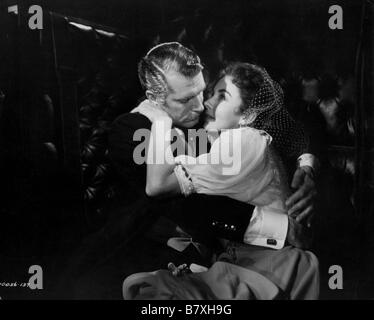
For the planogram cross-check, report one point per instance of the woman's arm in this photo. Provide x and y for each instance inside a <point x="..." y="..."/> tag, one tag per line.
<point x="161" y="179"/>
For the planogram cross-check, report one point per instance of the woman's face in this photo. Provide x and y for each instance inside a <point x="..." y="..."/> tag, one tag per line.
<point x="223" y="107"/>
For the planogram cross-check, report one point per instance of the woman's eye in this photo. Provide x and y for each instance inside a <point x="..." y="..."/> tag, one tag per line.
<point x="222" y="96"/>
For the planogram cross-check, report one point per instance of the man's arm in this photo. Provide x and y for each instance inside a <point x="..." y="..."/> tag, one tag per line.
<point x="202" y="216"/>
<point x="267" y="229"/>
<point x="301" y="202"/>
<point x="298" y="235"/>
<point x="126" y="154"/>
<point x="274" y="230"/>
<point x="293" y="145"/>
<point x="296" y="147"/>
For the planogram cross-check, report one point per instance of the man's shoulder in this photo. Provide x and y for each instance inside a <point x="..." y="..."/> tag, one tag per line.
<point x="131" y="121"/>
<point x="124" y="127"/>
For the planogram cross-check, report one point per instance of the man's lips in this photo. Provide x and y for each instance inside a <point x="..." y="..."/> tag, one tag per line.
<point x="193" y="119"/>
<point x="209" y="118"/>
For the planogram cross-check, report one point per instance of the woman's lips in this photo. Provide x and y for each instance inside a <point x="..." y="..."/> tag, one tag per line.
<point x="209" y="118"/>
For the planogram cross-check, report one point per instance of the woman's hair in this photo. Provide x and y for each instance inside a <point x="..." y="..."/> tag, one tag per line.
<point x="261" y="96"/>
<point x="247" y="77"/>
<point x="162" y="58"/>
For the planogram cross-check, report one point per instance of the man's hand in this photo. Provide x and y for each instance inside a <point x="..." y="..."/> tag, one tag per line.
<point x="298" y="235"/>
<point x="301" y="203"/>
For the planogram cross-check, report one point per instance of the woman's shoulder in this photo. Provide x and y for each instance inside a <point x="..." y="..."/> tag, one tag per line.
<point x="248" y="135"/>
<point x="246" y="145"/>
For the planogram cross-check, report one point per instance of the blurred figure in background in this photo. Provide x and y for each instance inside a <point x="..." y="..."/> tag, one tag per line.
<point x="335" y="110"/>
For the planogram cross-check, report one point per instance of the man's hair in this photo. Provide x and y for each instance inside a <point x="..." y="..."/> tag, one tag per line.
<point x="163" y="58"/>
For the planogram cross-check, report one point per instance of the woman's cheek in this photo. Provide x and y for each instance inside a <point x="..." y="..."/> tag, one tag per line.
<point x="221" y="112"/>
<point x="227" y="113"/>
<point x="223" y="120"/>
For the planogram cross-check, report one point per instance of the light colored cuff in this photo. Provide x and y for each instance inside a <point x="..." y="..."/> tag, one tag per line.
<point x="308" y="159"/>
<point x="184" y="180"/>
<point x="267" y="229"/>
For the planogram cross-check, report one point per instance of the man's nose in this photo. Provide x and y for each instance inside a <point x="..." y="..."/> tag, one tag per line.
<point x="198" y="105"/>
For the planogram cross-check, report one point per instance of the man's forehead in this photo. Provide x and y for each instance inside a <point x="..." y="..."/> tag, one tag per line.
<point x="181" y="85"/>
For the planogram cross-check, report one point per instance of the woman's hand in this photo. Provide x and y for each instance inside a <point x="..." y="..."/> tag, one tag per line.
<point x="152" y="111"/>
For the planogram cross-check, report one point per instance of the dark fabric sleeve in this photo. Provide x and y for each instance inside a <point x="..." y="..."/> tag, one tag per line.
<point x="207" y="217"/>
<point x="130" y="178"/>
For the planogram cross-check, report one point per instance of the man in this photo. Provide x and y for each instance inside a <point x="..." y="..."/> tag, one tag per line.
<point x="172" y="77"/>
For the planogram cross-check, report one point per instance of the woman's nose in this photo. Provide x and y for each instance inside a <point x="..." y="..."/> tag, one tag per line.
<point x="209" y="106"/>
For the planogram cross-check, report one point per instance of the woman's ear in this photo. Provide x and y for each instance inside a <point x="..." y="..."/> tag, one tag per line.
<point x="247" y="118"/>
<point x="238" y="111"/>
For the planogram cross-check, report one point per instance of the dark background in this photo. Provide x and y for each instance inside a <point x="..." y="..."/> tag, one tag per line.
<point x="63" y="86"/>
<point x="297" y="29"/>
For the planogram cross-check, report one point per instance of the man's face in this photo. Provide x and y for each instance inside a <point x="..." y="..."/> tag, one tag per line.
<point x="184" y="101"/>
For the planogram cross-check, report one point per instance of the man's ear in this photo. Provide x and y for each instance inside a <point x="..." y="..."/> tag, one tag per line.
<point x="151" y="96"/>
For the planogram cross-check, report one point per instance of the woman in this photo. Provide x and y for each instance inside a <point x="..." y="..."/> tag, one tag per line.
<point x="243" y="97"/>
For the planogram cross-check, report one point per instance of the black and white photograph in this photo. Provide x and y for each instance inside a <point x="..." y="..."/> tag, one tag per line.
<point x="186" y="150"/>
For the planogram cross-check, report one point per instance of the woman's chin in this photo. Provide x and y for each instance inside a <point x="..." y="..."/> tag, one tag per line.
<point x="210" y="125"/>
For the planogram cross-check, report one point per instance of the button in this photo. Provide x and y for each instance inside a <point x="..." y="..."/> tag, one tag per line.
<point x="271" y="242"/>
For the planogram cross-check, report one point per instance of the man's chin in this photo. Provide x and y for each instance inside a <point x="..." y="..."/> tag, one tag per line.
<point x="191" y="123"/>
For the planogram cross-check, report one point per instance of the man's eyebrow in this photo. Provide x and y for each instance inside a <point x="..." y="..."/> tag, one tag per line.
<point x="191" y="96"/>
<point x="186" y="98"/>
